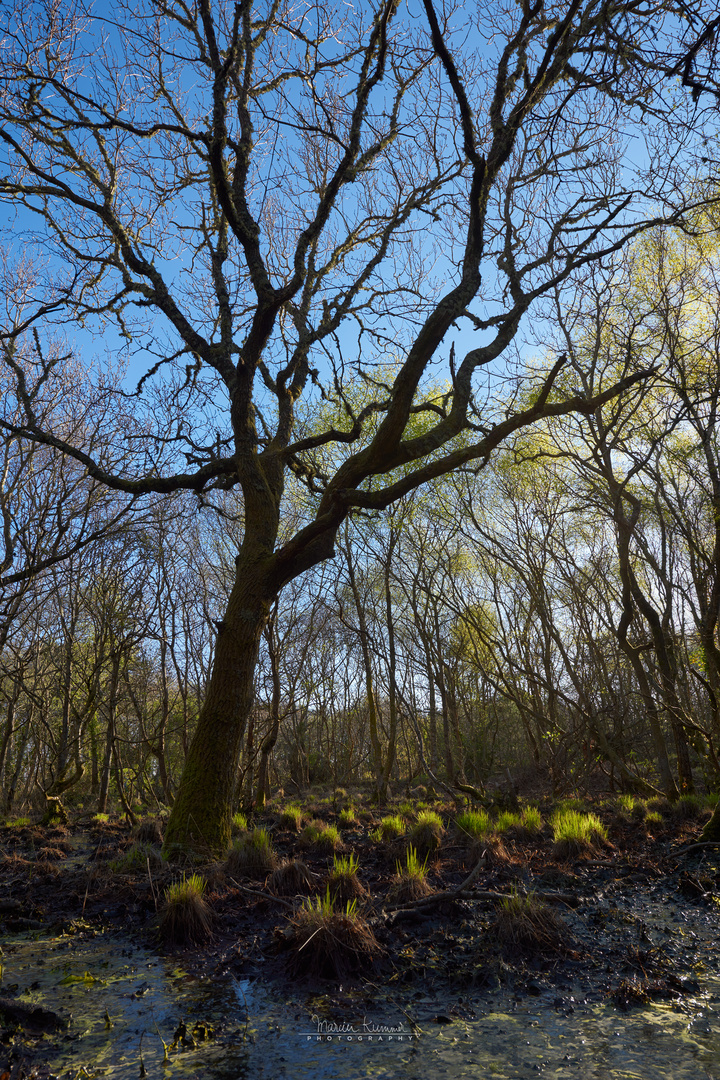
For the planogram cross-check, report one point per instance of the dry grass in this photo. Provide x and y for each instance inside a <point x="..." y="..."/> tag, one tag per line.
<point x="525" y="926"/>
<point x="150" y="832"/>
<point x="329" y="943"/>
<point x="492" y="848"/>
<point x="185" y="916"/>
<point x="291" y="877"/>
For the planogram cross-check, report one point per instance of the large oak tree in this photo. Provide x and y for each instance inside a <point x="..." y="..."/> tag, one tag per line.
<point x="268" y="203"/>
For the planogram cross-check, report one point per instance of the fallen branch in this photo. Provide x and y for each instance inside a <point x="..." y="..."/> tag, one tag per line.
<point x="263" y="895"/>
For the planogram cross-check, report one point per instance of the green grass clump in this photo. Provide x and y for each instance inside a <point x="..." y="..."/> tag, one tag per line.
<point x="185" y="916"/>
<point x="406" y="810"/>
<point x="253" y="852"/>
<point x="574" y="833"/>
<point x="328" y="839"/>
<point x="102" y="819"/>
<point x="531" y="820"/>
<point x="632" y="806"/>
<point x="291" y="818"/>
<point x="474" y="824"/>
<point x="688" y="807"/>
<point x="526" y="926"/>
<point x="239" y="823"/>
<point x="711" y="799"/>
<point x="506" y="821"/>
<point x="410" y="881"/>
<point x="654" y="820"/>
<point x="570" y="804"/>
<point x="427" y="833"/>
<point x="339" y="943"/>
<point x="390" y="828"/>
<point x="347" y="818"/>
<point x="343" y="881"/>
<point x="17" y="823"/>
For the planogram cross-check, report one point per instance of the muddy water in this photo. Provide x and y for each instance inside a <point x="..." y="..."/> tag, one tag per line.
<point x="125" y="1006"/>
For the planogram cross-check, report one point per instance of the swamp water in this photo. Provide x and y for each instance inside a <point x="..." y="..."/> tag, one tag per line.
<point x="134" y="1014"/>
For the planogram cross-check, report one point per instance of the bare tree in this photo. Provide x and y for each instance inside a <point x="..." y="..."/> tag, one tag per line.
<point x="264" y="201"/>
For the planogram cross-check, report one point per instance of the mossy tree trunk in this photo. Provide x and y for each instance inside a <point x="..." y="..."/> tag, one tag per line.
<point x="201" y="814"/>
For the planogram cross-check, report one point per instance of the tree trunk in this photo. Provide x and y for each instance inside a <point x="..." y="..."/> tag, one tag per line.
<point x="201" y="814"/>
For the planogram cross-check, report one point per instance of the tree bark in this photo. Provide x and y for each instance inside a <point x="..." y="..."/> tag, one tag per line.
<point x="201" y="815"/>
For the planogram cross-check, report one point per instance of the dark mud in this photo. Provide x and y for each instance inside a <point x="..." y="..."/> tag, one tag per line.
<point x="87" y="989"/>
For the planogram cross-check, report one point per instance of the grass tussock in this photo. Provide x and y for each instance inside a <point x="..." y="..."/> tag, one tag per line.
<point x="331" y="943"/>
<point x="321" y="837"/>
<point x="290" y="878"/>
<point x="410" y="881"/>
<point x="291" y="819"/>
<point x="473" y="825"/>
<point x="149" y="831"/>
<point x="576" y="834"/>
<point x="525" y="926"/>
<point x="251" y="853"/>
<point x="343" y="881"/>
<point x="135" y="860"/>
<point x="185" y="915"/>
<point x="688" y="808"/>
<point x="390" y="828"/>
<point x="427" y="833"/>
<point x="347" y="818"/>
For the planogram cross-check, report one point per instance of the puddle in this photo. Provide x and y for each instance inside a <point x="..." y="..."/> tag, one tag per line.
<point x="125" y="1005"/>
<point x="663" y="1042"/>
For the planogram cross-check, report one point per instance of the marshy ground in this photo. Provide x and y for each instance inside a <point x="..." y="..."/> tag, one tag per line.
<point x="325" y="901"/>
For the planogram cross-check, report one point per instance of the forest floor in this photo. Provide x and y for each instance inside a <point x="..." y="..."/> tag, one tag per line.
<point x="629" y="920"/>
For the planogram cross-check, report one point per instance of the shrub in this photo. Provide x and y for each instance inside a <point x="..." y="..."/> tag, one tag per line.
<point x="329" y="943"/>
<point x="427" y="833"/>
<point x="253" y="852"/>
<point x="473" y="824"/>
<point x="410" y="881"/>
<point x="185" y="916"/>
